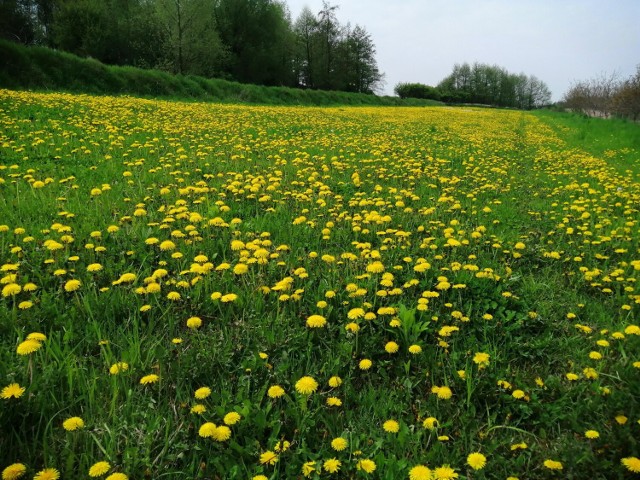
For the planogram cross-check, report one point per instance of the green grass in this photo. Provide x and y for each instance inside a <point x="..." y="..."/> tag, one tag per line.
<point x="533" y="256"/>
<point x="43" y="69"/>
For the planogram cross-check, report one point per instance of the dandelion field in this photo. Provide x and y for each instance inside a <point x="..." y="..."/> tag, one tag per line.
<point x="209" y="291"/>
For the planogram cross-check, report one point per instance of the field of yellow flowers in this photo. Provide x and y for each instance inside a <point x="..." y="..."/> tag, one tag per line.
<point x="209" y="291"/>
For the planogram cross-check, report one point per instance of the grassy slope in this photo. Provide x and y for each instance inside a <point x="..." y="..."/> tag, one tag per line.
<point x="39" y="68"/>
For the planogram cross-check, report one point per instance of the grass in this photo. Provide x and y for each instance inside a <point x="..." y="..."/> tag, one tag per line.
<point x="476" y="270"/>
<point x="43" y="69"/>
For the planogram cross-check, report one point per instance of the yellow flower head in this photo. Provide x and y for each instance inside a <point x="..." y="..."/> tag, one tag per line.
<point x="73" y="423"/>
<point x="306" y="385"/>
<point x="476" y="460"/>
<point x="98" y="469"/>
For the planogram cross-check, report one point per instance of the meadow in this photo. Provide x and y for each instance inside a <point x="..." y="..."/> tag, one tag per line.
<point x="195" y="290"/>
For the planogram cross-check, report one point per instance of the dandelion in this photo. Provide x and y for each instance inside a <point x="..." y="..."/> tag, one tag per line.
<point x="72" y="285"/>
<point x="28" y="346"/>
<point x="391" y="347"/>
<point x="14" y="471"/>
<point x="334" y="402"/>
<point x="444" y="473"/>
<point x="231" y="418"/>
<point x="308" y="468"/>
<point x="481" y="359"/>
<point x="366" y="465"/>
<point x="339" y="444"/>
<point x="332" y="465"/>
<point x="11" y="290"/>
<point x="430" y="423"/>
<point x="207" y="430"/>
<point x="202" y="392"/>
<point x="47" y="474"/>
<point x="415" y="349"/>
<point x="275" y="391"/>
<point x="99" y="468"/>
<point x="420" y="472"/>
<point x="228" y="298"/>
<point x="632" y="464"/>
<point x="591" y="434"/>
<point x="268" y="458"/>
<point x="221" y="433"/>
<point x="198" y="409"/>
<point x="365" y="364"/>
<point x="306" y="385"/>
<point x="194" y="323"/>
<point x="335" y="381"/>
<point x="12" y="390"/>
<point x="147" y="379"/>
<point x="316" y="321"/>
<point x="443" y="393"/>
<point x="518" y="394"/>
<point x="391" y="426"/>
<point x="116" y="368"/>
<point x="476" y="460"/>
<point x="117" y="476"/>
<point x="552" y="465"/>
<point x="73" y="423"/>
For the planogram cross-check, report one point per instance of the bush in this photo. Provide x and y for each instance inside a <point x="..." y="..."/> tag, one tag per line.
<point x="417" y="90"/>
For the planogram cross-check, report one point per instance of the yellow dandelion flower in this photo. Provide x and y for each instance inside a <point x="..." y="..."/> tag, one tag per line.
<point x="72" y="285"/>
<point x="391" y="347"/>
<point x="268" y="458"/>
<point x="207" y="430"/>
<point x="391" y="426"/>
<point x="147" y="379"/>
<point x="365" y="364"/>
<point x="332" y="465"/>
<point x="117" y="476"/>
<point x="430" y="423"/>
<point x="194" y="322"/>
<point x="73" y="423"/>
<point x="552" y="464"/>
<point x="366" y="465"/>
<point x="14" y="471"/>
<point x="444" y="472"/>
<point x="221" y="433"/>
<point x="99" y="468"/>
<point x="316" y="321"/>
<point x="231" y="418"/>
<point x="275" y="391"/>
<point x="335" y="381"/>
<point x="476" y="460"/>
<point x="339" y="444"/>
<point x="47" y="474"/>
<point x="632" y="464"/>
<point x="28" y="346"/>
<point x="306" y="385"/>
<point x="12" y="390"/>
<point x="420" y="472"/>
<point x="202" y="392"/>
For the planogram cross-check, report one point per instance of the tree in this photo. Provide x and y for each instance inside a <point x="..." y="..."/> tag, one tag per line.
<point x="626" y="100"/>
<point x="356" y="55"/>
<point x="416" y="90"/>
<point x="305" y="30"/>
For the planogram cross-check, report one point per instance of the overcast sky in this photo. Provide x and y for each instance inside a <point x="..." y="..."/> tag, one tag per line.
<point x="558" y="41"/>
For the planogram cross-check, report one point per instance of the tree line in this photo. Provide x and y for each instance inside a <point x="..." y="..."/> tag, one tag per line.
<point x="483" y="84"/>
<point x="250" y="41"/>
<point x="605" y="96"/>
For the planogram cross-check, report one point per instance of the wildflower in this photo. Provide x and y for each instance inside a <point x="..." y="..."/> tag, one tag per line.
<point x="339" y="444"/>
<point x="632" y="464"/>
<point x="443" y="393"/>
<point x="391" y="347"/>
<point x="231" y="418"/>
<point x="221" y="433"/>
<point x="415" y="349"/>
<point x="316" y="321"/>
<point x="391" y="426"/>
<point x="552" y="465"/>
<point x="11" y="290"/>
<point x="259" y="477"/>
<point x="334" y="402"/>
<point x="207" y="430"/>
<point x="308" y="468"/>
<point x="47" y="474"/>
<point x="73" y="423"/>
<point x="194" y="322"/>
<point x="153" y="378"/>
<point x="12" y="390"/>
<point x="118" y="367"/>
<point x="355" y="313"/>
<point x="98" y="469"/>
<point x="282" y="446"/>
<point x="518" y="394"/>
<point x="365" y="364"/>
<point x="275" y="391"/>
<point x="621" y="419"/>
<point x="335" y="381"/>
<point x="173" y="296"/>
<point x="72" y="285"/>
<point x="202" y="392"/>
<point x="14" y="471"/>
<point x="444" y="473"/>
<point x="430" y="423"/>
<point x="420" y="472"/>
<point x="332" y="465"/>
<point x="476" y="460"/>
<point x="591" y="434"/>
<point x="268" y="458"/>
<point x="117" y="476"/>
<point x="28" y="346"/>
<point x="198" y="409"/>
<point x="366" y="465"/>
<point x="306" y="385"/>
<point x="481" y="359"/>
<point x="352" y="327"/>
<point x="228" y="298"/>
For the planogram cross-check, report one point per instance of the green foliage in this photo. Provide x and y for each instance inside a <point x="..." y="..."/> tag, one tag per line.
<point x="46" y="69"/>
<point x="416" y="90"/>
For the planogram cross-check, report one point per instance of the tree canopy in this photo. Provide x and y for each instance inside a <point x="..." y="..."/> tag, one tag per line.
<point x="252" y="41"/>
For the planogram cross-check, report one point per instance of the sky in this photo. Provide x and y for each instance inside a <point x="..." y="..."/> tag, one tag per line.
<point x="558" y="41"/>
